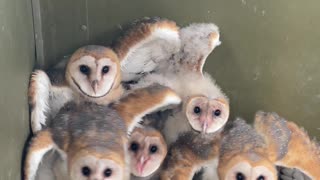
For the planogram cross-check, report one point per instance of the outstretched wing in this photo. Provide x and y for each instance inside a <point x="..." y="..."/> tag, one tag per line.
<point x="148" y="43"/>
<point x="140" y="102"/>
<point x="275" y="132"/>
<point x="47" y="94"/>
<point x="289" y="145"/>
<point x="197" y="41"/>
<point x="40" y="144"/>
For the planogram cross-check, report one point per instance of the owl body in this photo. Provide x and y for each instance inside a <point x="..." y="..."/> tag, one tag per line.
<point x="243" y="154"/>
<point x="59" y="91"/>
<point x="287" y="142"/>
<point x="189" y="85"/>
<point x="190" y="153"/>
<point x="204" y="109"/>
<point x="254" y="152"/>
<point x="174" y="126"/>
<point x="91" y="74"/>
<point x="93" y="139"/>
<point x="178" y="125"/>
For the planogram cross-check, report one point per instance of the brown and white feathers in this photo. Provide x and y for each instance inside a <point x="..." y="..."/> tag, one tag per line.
<point x="92" y="74"/>
<point x="183" y="73"/>
<point x="145" y="45"/>
<point x="272" y="142"/>
<point x="288" y="145"/>
<point x="92" y="138"/>
<point x="243" y="154"/>
<point x="204" y="108"/>
<point x="147" y="149"/>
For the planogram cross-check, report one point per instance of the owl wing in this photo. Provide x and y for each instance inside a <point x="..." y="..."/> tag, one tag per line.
<point x="197" y="41"/>
<point x="39" y="145"/>
<point x="140" y="102"/>
<point x="145" y="45"/>
<point x="275" y="132"/>
<point x="47" y="93"/>
<point x="289" y="145"/>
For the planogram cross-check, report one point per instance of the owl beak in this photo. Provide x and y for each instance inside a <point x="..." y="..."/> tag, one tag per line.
<point x="94" y="85"/>
<point x="141" y="164"/>
<point x="204" y="127"/>
<point x="205" y="122"/>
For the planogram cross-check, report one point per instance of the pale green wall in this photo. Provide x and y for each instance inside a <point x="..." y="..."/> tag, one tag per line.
<point x="16" y="62"/>
<point x="269" y="57"/>
<point x="268" y="60"/>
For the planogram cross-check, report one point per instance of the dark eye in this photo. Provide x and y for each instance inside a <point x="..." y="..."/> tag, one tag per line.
<point x="260" y="178"/>
<point x="197" y="110"/>
<point x="217" y="112"/>
<point x="84" y="69"/>
<point x="105" y="69"/>
<point x="107" y="172"/>
<point x="240" y="176"/>
<point x="153" y="149"/>
<point x="86" y="171"/>
<point x="134" y="146"/>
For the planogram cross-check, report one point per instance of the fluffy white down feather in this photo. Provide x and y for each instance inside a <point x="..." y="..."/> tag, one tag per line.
<point x="198" y="33"/>
<point x="186" y="84"/>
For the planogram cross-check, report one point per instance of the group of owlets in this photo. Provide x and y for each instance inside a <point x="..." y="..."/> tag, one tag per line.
<point x="144" y="109"/>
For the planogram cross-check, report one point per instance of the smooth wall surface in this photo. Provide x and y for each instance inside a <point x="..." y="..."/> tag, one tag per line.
<point x="17" y="58"/>
<point x="269" y="58"/>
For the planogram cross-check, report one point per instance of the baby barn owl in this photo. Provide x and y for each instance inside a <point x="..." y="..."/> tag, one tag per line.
<point x="273" y="142"/>
<point x="243" y="154"/>
<point x="147" y="150"/>
<point x="286" y="143"/>
<point x="92" y="138"/>
<point x="205" y="107"/>
<point x="92" y="74"/>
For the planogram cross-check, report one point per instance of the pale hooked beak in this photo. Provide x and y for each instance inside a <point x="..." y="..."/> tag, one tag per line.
<point x="205" y="122"/>
<point x="94" y="86"/>
<point x="141" y="164"/>
<point x="204" y="127"/>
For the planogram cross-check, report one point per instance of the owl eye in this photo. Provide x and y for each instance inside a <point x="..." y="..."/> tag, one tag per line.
<point x="197" y="110"/>
<point x="134" y="146"/>
<point x="107" y="172"/>
<point x="86" y="171"/>
<point x="84" y="69"/>
<point x="261" y="178"/>
<point x="153" y="149"/>
<point x="105" y="69"/>
<point x="217" y="112"/>
<point x="240" y="176"/>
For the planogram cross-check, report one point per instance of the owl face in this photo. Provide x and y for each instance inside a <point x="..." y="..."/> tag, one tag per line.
<point x="247" y="167"/>
<point x="92" y="76"/>
<point x="87" y="166"/>
<point x="206" y="115"/>
<point x="147" y="152"/>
